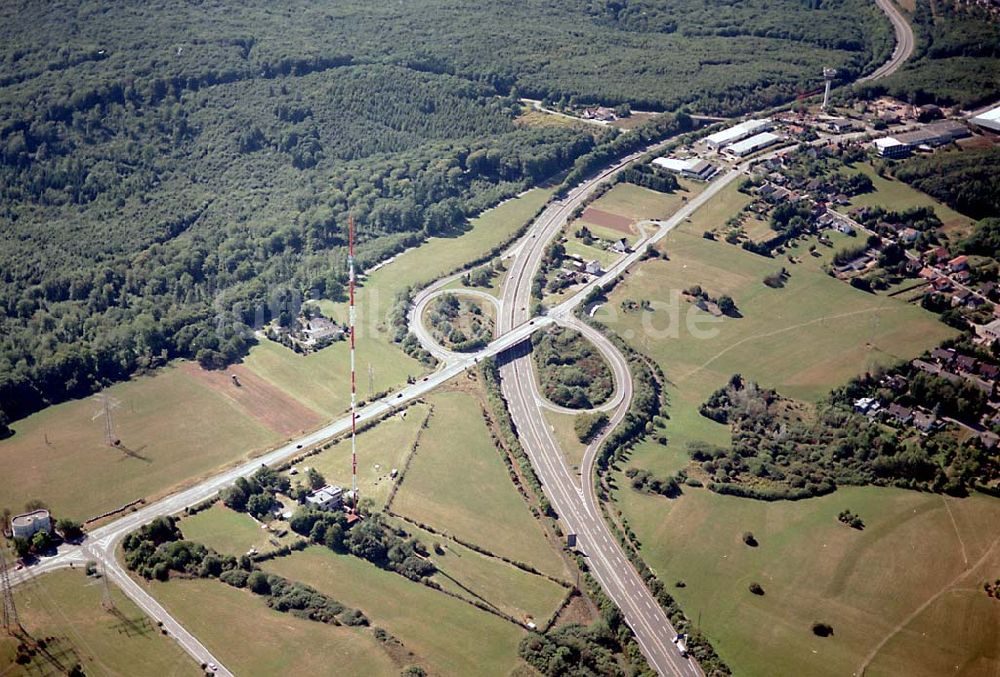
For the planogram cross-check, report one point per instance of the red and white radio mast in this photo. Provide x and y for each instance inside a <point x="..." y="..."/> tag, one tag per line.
<point x="354" y="390"/>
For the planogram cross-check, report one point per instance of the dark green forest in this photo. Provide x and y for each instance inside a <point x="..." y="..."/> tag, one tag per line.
<point x="968" y="180"/>
<point x="173" y="173"/>
<point x="956" y="61"/>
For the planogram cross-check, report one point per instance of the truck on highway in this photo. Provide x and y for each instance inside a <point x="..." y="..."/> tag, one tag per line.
<point x="681" y="646"/>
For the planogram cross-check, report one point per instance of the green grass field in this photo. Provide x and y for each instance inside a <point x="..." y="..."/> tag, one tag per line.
<point x="458" y="484"/>
<point x="321" y="380"/>
<point x="229" y="532"/>
<point x="803" y="339"/>
<point x="490" y="580"/>
<point x="450" y="636"/>
<point x="866" y="584"/>
<point x="897" y="195"/>
<point x="714" y="214"/>
<point x="640" y="203"/>
<point x="380" y="449"/>
<point x="251" y="639"/>
<point x="66" y="605"/>
<point x="179" y="427"/>
<point x="758" y="230"/>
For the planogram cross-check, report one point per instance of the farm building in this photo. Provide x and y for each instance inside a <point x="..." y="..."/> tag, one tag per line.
<point x="892" y="148"/>
<point x="328" y="497"/>
<point x="738" y="132"/>
<point x="990" y="120"/>
<point x="692" y="168"/>
<point x="753" y="144"/>
<point x="30" y="523"/>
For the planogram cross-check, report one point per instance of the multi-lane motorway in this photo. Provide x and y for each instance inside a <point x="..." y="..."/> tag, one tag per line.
<point x="572" y="497"/>
<point x="904" y="42"/>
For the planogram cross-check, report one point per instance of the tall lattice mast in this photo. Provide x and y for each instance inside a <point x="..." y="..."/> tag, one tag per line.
<point x="354" y="388"/>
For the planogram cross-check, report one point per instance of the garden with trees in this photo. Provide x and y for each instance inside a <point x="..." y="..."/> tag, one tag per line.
<point x="781" y="451"/>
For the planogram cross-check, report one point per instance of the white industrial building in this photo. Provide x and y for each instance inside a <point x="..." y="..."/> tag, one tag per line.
<point x="30" y="523"/>
<point x="753" y="144"/>
<point x="738" y="132"/>
<point x="990" y="120"/>
<point x="328" y="497"/>
<point x="891" y="147"/>
<point x="692" y="168"/>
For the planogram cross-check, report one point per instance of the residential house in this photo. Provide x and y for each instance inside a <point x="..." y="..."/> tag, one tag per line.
<point x="966" y="364"/>
<point x="958" y="263"/>
<point x="941" y="284"/>
<point x="985" y="387"/>
<point x="897" y="383"/>
<point x="620" y="246"/>
<point x="960" y="298"/>
<point x="900" y="413"/>
<point x="909" y="235"/>
<point x="945" y="355"/>
<point x="937" y="254"/>
<point x="989" y="371"/>
<point x="866" y="404"/>
<point x="593" y="268"/>
<point x="925" y="423"/>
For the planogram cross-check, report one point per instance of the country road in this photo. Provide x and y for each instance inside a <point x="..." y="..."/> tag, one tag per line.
<point x="573" y="498"/>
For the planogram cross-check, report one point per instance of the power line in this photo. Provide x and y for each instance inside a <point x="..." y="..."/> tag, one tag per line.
<point x="11" y="620"/>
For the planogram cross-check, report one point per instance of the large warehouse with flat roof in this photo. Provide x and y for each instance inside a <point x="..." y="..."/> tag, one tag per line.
<point x="693" y="168"/>
<point x="990" y="120"/>
<point x="738" y="132"/>
<point x="753" y="144"/>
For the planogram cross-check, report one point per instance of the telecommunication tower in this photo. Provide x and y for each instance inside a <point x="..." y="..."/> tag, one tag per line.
<point x="354" y="389"/>
<point x="828" y="74"/>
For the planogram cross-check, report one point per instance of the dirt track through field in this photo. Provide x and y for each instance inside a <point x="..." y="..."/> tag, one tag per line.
<point x="920" y="609"/>
<point x="257" y="398"/>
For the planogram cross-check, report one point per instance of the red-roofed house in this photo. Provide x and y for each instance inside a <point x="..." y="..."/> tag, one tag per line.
<point x="958" y="263"/>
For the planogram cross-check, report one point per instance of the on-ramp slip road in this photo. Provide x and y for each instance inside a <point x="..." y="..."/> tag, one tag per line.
<point x="575" y="501"/>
